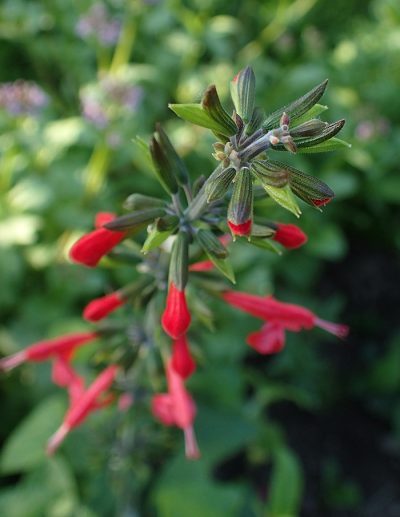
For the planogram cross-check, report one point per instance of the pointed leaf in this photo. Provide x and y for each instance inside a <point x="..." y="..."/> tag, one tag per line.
<point x="297" y="107"/>
<point x="333" y="144"/>
<point x="313" y="112"/>
<point x="284" y="197"/>
<point x="265" y="244"/>
<point x="195" y="114"/>
<point x="155" y="238"/>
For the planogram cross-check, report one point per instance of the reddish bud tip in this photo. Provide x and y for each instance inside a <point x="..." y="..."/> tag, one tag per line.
<point x="103" y="218"/>
<point x="321" y="202"/>
<point x="205" y="265"/>
<point x="176" y="317"/>
<point x="240" y="229"/>
<point x="182" y="361"/>
<point x="290" y="236"/>
<point x="99" y="308"/>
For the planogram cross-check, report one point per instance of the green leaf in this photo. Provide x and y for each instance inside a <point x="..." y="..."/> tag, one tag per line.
<point x="265" y="244"/>
<point x="298" y="107"/>
<point x="330" y="145"/>
<point x="223" y="265"/>
<point x="316" y="110"/>
<point x="284" y="197"/>
<point x="286" y="486"/>
<point x="155" y="238"/>
<point x="195" y="114"/>
<point x="25" y="449"/>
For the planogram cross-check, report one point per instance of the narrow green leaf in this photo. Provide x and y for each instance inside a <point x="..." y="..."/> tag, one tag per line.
<point x="223" y="265"/>
<point x="296" y="108"/>
<point x="334" y="144"/>
<point x="195" y="114"/>
<point x="313" y="112"/>
<point x="155" y="238"/>
<point x="286" y="486"/>
<point x="265" y="244"/>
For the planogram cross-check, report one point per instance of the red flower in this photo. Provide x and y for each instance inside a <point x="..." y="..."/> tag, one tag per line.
<point x="103" y="218"/>
<point x="90" y="248"/>
<point x="289" y="316"/>
<point x="181" y="360"/>
<point x="81" y="405"/>
<point x="321" y="202"/>
<point x="289" y="235"/>
<point x="177" y="408"/>
<point x="241" y="229"/>
<point x="44" y="350"/>
<point x="101" y="307"/>
<point x="269" y="340"/>
<point x="176" y="317"/>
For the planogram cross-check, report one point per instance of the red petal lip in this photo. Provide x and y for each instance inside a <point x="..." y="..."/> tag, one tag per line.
<point x="240" y="229"/>
<point x="322" y="202"/>
<point x="289" y="235"/>
<point x="176" y="317"/>
<point x="100" y="308"/>
<point x="269" y="340"/>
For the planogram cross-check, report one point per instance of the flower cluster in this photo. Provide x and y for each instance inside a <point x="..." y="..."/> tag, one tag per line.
<point x="185" y="237"/>
<point x="22" y="98"/>
<point x="98" y="24"/>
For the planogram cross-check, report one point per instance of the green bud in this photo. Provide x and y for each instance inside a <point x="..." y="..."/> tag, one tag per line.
<point x="213" y="107"/>
<point x="269" y="173"/>
<point x="178" y="268"/>
<point x="210" y="244"/>
<point x="218" y="183"/>
<point x="133" y="220"/>
<point x="243" y="92"/>
<point x="240" y="209"/>
<point x="166" y="223"/>
<point x="162" y="166"/>
<point x="176" y="163"/>
<point x="140" y="201"/>
<point x="310" y="128"/>
<point x="329" y="131"/>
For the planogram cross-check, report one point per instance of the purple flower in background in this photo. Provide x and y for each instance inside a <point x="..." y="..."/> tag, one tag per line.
<point x="22" y="98"/>
<point x="98" y="24"/>
<point x="123" y="94"/>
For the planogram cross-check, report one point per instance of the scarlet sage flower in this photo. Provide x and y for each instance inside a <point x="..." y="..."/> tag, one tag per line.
<point x="50" y="348"/>
<point x="269" y="340"/>
<point x="90" y="248"/>
<point x="101" y="307"/>
<point x="181" y="360"/>
<point x="176" y="317"/>
<point x="177" y="408"/>
<point x="84" y="404"/>
<point x="289" y="235"/>
<point x="290" y="316"/>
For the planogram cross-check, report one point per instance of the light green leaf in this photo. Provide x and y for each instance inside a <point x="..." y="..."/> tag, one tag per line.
<point x="154" y="239"/>
<point x="265" y="244"/>
<point x="195" y="113"/>
<point x="286" y="486"/>
<point x="316" y="110"/>
<point x="284" y="197"/>
<point x="25" y="448"/>
<point x="224" y="266"/>
<point x="330" y="145"/>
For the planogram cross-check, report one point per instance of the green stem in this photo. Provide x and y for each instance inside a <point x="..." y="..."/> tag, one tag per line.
<point x="125" y="43"/>
<point x="96" y="170"/>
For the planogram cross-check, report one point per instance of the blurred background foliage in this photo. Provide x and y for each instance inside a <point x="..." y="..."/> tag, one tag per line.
<point x="312" y="431"/>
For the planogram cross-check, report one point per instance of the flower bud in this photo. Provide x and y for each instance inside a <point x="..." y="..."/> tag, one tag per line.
<point x="181" y="360"/>
<point x="243" y="93"/>
<point x="141" y="202"/>
<point x="212" y="105"/>
<point x="176" y="317"/>
<point x="289" y="235"/>
<point x="100" y="308"/>
<point x="240" y="209"/>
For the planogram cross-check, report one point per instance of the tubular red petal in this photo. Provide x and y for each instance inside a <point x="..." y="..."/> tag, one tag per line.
<point x="192" y="451"/>
<point x="45" y="349"/>
<point x="12" y="361"/>
<point x="100" y="308"/>
<point x="176" y="317"/>
<point x="269" y="340"/>
<point x="181" y="360"/>
<point x="90" y="248"/>
<point x="184" y="408"/>
<point x="337" y="329"/>
<point x="103" y="218"/>
<point x="321" y="202"/>
<point x="289" y="235"/>
<point x="205" y="265"/>
<point x="57" y="438"/>
<point x="162" y="408"/>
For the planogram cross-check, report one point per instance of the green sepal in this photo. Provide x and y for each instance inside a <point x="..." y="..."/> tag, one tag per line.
<point x="213" y="107"/>
<point x="133" y="220"/>
<point x="265" y="244"/>
<point x="210" y="244"/>
<point x="140" y="201"/>
<point x="162" y="166"/>
<point x="296" y="108"/>
<point x="268" y="174"/>
<point x="243" y="93"/>
<point x="218" y="183"/>
<point x="284" y="197"/>
<point x="195" y="114"/>
<point x="179" y="261"/>
<point x="240" y="208"/>
<point x="176" y="163"/>
<point x="333" y="144"/>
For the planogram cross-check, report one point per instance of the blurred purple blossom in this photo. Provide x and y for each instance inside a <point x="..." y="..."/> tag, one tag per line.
<point x="369" y="129"/>
<point x="110" y="99"/>
<point x="22" y="98"/>
<point x="97" y="23"/>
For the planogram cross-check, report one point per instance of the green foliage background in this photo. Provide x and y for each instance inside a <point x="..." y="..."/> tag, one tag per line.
<point x="313" y="431"/>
